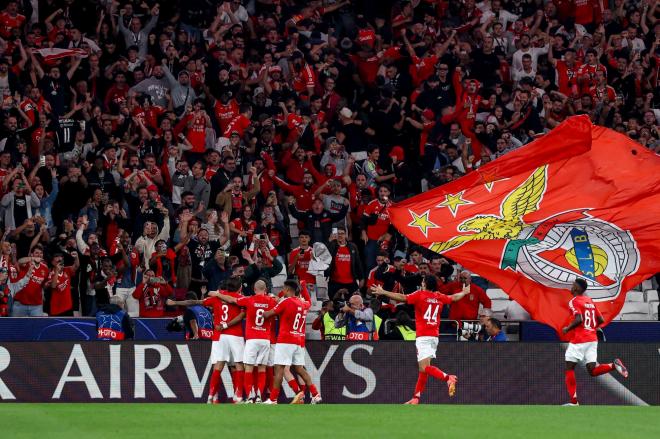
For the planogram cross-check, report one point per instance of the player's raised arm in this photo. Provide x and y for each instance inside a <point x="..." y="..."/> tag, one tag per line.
<point x="304" y="292"/>
<point x="459" y="296"/>
<point x="379" y="291"/>
<point x="224" y="297"/>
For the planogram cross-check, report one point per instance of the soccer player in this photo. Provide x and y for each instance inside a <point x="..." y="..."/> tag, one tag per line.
<point x="228" y="343"/>
<point x="583" y="346"/>
<point x="290" y="347"/>
<point x="428" y="307"/>
<point x="257" y="335"/>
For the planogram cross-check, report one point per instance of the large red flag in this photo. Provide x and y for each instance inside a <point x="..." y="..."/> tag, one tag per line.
<point x="582" y="201"/>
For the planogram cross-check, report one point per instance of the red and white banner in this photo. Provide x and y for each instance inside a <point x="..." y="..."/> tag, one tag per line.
<point x="52" y="54"/>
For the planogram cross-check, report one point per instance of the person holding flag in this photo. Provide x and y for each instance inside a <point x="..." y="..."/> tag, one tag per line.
<point x="428" y="308"/>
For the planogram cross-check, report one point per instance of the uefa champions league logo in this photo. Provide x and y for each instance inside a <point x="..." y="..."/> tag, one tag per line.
<point x="589" y="248"/>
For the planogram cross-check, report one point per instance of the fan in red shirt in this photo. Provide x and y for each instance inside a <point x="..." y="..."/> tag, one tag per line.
<point x="376" y="225"/>
<point x="10" y="19"/>
<point x="428" y="307"/>
<point x="152" y="293"/>
<point x="31" y="295"/>
<point x="197" y="122"/>
<point x="467" y="309"/>
<point x="241" y="122"/>
<point x="290" y="347"/>
<point x="300" y="257"/>
<point x="61" y="302"/>
<point x="583" y="346"/>
<point x="225" y="110"/>
<point x="258" y="330"/>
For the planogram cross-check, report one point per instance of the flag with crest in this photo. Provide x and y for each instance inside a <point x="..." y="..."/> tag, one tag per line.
<point x="582" y="201"/>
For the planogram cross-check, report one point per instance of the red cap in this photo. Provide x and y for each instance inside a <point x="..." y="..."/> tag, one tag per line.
<point x="152" y="188"/>
<point x="428" y="114"/>
<point x="397" y="152"/>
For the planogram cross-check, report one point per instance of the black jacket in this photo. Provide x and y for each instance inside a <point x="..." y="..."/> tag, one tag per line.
<point x="320" y="226"/>
<point x="356" y="263"/>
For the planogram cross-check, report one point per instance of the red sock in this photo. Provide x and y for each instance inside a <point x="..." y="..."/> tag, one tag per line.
<point x="436" y="373"/>
<point x="255" y="381"/>
<point x="602" y="369"/>
<point x="213" y="386"/>
<point x="571" y="385"/>
<point x="261" y="383"/>
<point x="313" y="390"/>
<point x="303" y="388"/>
<point x="421" y="384"/>
<point x="238" y="385"/>
<point x="269" y="376"/>
<point x="274" y="394"/>
<point x="294" y="386"/>
<point x="249" y="379"/>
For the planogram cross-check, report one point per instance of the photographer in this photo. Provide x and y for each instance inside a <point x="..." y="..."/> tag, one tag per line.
<point x="325" y="323"/>
<point x="494" y="329"/>
<point x="151" y="294"/>
<point x="355" y="316"/>
<point x="476" y="331"/>
<point x="401" y="328"/>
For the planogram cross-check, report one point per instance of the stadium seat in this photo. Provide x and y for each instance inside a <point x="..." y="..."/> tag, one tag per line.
<point x="647" y="284"/>
<point x="635" y="296"/>
<point x="651" y="295"/>
<point x="496" y="294"/>
<point x="634" y="311"/>
<point x="653" y="310"/>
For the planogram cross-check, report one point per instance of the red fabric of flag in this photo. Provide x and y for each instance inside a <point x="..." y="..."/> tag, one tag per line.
<point x="582" y="201"/>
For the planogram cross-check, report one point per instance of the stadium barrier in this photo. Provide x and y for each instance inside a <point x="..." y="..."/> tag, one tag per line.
<point x="363" y="372"/>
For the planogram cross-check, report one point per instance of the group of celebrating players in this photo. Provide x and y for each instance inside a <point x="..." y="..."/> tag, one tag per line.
<point x="275" y="355"/>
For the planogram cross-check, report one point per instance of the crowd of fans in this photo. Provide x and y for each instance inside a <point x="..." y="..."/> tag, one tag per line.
<point x="149" y="150"/>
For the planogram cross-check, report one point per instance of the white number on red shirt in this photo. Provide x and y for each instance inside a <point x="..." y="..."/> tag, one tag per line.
<point x="225" y="312"/>
<point x="259" y="317"/>
<point x="298" y="322"/>
<point x="589" y="318"/>
<point x="431" y="314"/>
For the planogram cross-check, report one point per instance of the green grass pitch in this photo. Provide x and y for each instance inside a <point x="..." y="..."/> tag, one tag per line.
<point x="119" y="421"/>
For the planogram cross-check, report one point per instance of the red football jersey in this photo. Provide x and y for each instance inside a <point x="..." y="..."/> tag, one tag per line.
<point x="256" y="327"/>
<point x="32" y="293"/>
<point x="292" y="313"/>
<point x="586" y="332"/>
<point x="60" y="299"/>
<point x="428" y="307"/>
<point x="224" y="313"/>
<point x="375" y="207"/>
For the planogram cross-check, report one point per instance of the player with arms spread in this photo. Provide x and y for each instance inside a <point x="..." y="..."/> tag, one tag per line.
<point x="428" y="307"/>
<point x="290" y="347"/>
<point x="583" y="346"/>
<point x="257" y="335"/>
<point x="228" y="344"/>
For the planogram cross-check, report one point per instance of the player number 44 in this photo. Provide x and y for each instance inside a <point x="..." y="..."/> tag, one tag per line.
<point x="431" y="314"/>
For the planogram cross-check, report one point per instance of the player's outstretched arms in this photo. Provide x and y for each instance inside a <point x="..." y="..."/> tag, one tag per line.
<point x="377" y="290"/>
<point x="459" y="296"/>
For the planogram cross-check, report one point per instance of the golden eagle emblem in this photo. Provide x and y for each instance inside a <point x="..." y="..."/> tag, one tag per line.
<point x="523" y="200"/>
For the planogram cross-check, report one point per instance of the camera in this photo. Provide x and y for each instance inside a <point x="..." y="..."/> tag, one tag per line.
<point x="175" y="325"/>
<point x="468" y="330"/>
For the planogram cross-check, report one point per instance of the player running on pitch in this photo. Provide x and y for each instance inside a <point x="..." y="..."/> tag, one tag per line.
<point x="228" y="344"/>
<point x="257" y="335"/>
<point x="290" y="347"/>
<point x="428" y="307"/>
<point x="583" y="346"/>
